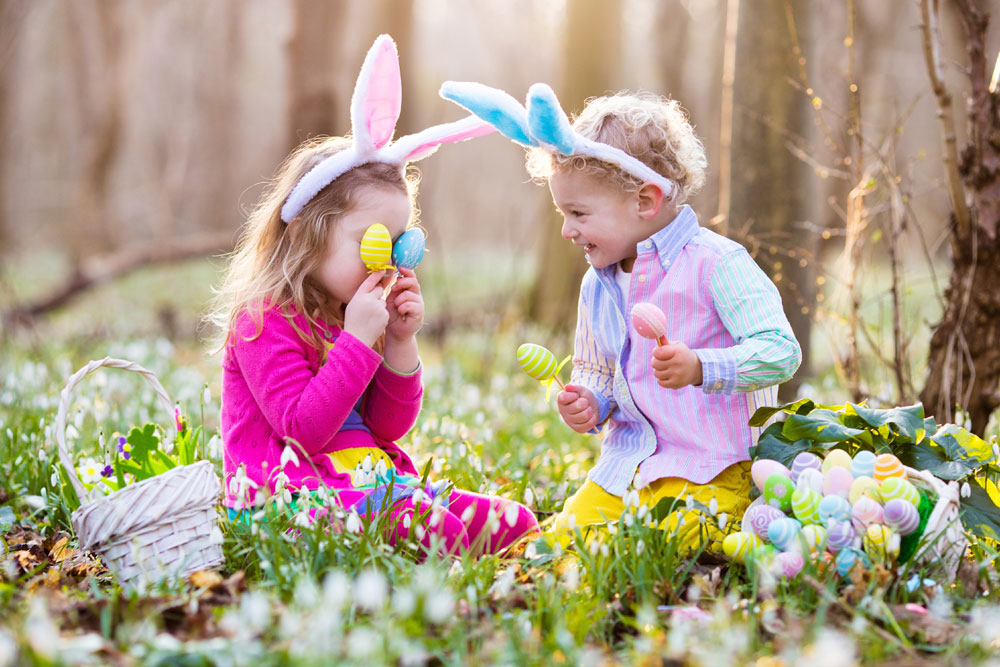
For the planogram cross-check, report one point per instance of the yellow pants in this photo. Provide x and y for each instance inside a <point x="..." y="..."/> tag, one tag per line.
<point x="592" y="505"/>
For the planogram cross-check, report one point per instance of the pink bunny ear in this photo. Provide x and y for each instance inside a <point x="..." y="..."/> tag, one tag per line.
<point x="418" y="146"/>
<point x="377" y="97"/>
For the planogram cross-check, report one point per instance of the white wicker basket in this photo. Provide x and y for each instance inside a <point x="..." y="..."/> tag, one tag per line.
<point x="164" y="526"/>
<point x="943" y="544"/>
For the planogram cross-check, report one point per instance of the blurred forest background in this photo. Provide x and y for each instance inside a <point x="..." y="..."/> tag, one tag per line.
<point x="135" y="135"/>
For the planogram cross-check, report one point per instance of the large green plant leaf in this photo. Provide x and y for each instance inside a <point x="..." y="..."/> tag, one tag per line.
<point x="821" y="425"/>
<point x="906" y="422"/>
<point x="963" y="446"/>
<point x="800" y="407"/>
<point x="926" y="456"/>
<point x="980" y="515"/>
<point x="773" y="445"/>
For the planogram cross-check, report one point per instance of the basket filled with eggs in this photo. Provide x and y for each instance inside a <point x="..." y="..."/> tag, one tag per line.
<point x="850" y="486"/>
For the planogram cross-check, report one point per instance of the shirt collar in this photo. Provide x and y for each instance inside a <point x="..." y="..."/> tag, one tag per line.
<point x="670" y="240"/>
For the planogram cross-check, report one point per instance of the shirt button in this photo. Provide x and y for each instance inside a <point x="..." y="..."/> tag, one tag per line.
<point x="641" y="279"/>
<point x="649" y="244"/>
<point x="718" y="385"/>
<point x="666" y="262"/>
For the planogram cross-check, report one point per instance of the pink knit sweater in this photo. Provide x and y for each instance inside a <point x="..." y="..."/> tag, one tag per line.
<point x="275" y="388"/>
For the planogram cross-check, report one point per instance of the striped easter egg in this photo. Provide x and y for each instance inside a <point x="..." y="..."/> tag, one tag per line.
<point x="834" y="508"/>
<point x="847" y="558"/>
<point x="376" y="248"/>
<point x="840" y="535"/>
<point x="810" y="479"/>
<point x="901" y="516"/>
<point x="805" y="505"/>
<point x="759" y="517"/>
<point x="814" y="536"/>
<point x="788" y="564"/>
<point x="863" y="464"/>
<point x="836" y="458"/>
<point x="886" y="466"/>
<point x="778" y="490"/>
<point x="784" y="532"/>
<point x="881" y="543"/>
<point x="805" y="461"/>
<point x="864" y="512"/>
<point x="537" y="361"/>
<point x="897" y="487"/>
<point x="837" y="482"/>
<point x="738" y="545"/>
<point x="863" y="486"/>
<point x="761" y="469"/>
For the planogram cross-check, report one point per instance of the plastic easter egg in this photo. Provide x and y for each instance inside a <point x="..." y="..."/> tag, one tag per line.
<point x="897" y="487"/>
<point x="778" y="490"/>
<point x="864" y="486"/>
<point x="788" y="564"/>
<point x="784" y="532"/>
<point x="758" y="519"/>
<point x="376" y="248"/>
<point x="805" y="461"/>
<point x="834" y="508"/>
<point x="810" y="479"/>
<point x="537" y="361"/>
<point x="863" y="464"/>
<point x="836" y="458"/>
<point x="840" y="535"/>
<point x="805" y="505"/>
<point x="814" y="536"/>
<point x="847" y="559"/>
<point x="886" y="466"/>
<point x="738" y="545"/>
<point x="901" y="516"/>
<point x="881" y="543"/>
<point x="648" y="320"/>
<point x="408" y="250"/>
<point x="761" y="469"/>
<point x="864" y="512"/>
<point x="837" y="482"/>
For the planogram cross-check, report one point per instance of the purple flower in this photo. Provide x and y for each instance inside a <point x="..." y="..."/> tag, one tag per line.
<point x="108" y="471"/>
<point x="124" y="447"/>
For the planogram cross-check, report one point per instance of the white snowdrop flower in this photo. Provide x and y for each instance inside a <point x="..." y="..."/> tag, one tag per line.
<point x="40" y="630"/>
<point x="407" y="520"/>
<point x="439" y="605"/>
<point x="640" y="546"/>
<point x="996" y="451"/>
<point x="966" y="490"/>
<point x="689" y="503"/>
<point x="510" y="515"/>
<point x="701" y="518"/>
<point x="501" y="587"/>
<point x="54" y="479"/>
<point x="370" y="590"/>
<point x="362" y="643"/>
<point x="557" y="549"/>
<point x="435" y="519"/>
<point x="206" y="395"/>
<point x="713" y="506"/>
<point x="417" y="497"/>
<point x="613" y="528"/>
<point x="629" y="519"/>
<point x="302" y="520"/>
<point x="381" y="468"/>
<point x="288" y="455"/>
<point x="571" y="521"/>
<point x="468" y="513"/>
<point x="642" y="512"/>
<point x="494" y="526"/>
<point x="632" y="498"/>
<point x="637" y="480"/>
<point x="723" y="521"/>
<point x="404" y="601"/>
<point x="420" y="532"/>
<point x="353" y="523"/>
<point x="366" y="465"/>
<point x="593" y="547"/>
<point x="336" y="589"/>
<point x="255" y="610"/>
<point x="531" y="551"/>
<point x="571" y="577"/>
<point x="359" y="477"/>
<point x="529" y="496"/>
<point x="604" y="550"/>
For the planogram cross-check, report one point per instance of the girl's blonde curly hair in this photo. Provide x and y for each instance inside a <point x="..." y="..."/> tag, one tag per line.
<point x="652" y="129"/>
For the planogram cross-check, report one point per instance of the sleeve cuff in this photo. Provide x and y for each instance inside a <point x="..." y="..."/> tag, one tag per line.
<point x="718" y="371"/>
<point x="604" y="405"/>
<point x="403" y="386"/>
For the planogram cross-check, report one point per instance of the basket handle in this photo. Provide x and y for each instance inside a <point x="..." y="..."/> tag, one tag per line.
<point x="64" y="400"/>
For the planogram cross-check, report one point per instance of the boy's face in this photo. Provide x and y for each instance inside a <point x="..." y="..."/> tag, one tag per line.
<point x="599" y="218"/>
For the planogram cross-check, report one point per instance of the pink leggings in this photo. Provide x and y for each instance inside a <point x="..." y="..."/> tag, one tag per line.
<point x="445" y="525"/>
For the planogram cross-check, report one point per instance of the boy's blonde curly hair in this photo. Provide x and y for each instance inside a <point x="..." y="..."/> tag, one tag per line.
<point x="652" y="129"/>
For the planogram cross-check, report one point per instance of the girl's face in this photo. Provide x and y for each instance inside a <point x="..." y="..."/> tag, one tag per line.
<point x="341" y="271"/>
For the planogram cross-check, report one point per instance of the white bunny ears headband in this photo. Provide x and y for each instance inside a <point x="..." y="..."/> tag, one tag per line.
<point x="374" y="111"/>
<point x="543" y="123"/>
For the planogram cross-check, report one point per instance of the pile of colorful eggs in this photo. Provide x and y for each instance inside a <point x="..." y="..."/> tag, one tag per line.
<point x="840" y="509"/>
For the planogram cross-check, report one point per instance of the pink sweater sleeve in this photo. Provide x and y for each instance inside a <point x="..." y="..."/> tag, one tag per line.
<point x="307" y="406"/>
<point x="393" y="403"/>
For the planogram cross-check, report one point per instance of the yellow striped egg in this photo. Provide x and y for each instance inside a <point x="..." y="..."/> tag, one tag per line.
<point x="815" y="537"/>
<point x="897" y="487"/>
<point x="738" y="545"/>
<point x="864" y="486"/>
<point x="376" y="248"/>
<point x="805" y="505"/>
<point x="537" y="361"/>
<point x="881" y="542"/>
<point x="837" y="458"/>
<point x="886" y="466"/>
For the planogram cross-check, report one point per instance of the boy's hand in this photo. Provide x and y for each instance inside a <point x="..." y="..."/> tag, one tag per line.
<point x="578" y="408"/>
<point x="406" y="307"/>
<point x="676" y="366"/>
<point x="366" y="315"/>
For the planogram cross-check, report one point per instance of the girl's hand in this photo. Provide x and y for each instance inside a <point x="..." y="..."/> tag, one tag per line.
<point x="406" y="307"/>
<point x="676" y="366"/>
<point x="366" y="315"/>
<point x="578" y="408"/>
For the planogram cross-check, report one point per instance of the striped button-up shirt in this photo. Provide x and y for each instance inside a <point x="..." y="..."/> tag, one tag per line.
<point x="722" y="306"/>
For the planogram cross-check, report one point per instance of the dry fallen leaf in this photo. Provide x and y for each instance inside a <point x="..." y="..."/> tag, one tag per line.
<point x="205" y="579"/>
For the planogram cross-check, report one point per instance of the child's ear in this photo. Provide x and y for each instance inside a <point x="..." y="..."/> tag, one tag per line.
<point x="650" y="201"/>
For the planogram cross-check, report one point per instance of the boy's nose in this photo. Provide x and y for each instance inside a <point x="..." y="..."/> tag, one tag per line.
<point x="568" y="232"/>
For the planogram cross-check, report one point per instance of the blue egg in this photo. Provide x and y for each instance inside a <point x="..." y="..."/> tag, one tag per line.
<point x="783" y="532"/>
<point x="863" y="464"/>
<point x="834" y="508"/>
<point x="846" y="559"/>
<point x="408" y="250"/>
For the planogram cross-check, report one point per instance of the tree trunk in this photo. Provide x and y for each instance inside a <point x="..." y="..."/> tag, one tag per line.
<point x="592" y="57"/>
<point x="964" y="359"/>
<point x="12" y="15"/>
<point x="312" y="93"/>
<point x="771" y="190"/>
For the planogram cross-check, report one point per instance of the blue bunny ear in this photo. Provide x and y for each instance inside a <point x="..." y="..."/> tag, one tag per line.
<point x="492" y="105"/>
<point x="547" y="122"/>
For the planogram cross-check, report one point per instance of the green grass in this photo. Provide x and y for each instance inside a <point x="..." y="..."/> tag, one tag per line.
<point x="315" y="596"/>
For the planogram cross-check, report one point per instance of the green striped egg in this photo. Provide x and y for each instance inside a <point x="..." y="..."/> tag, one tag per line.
<point x="897" y="487"/>
<point x="376" y="248"/>
<point x="536" y="361"/>
<point x="805" y="505"/>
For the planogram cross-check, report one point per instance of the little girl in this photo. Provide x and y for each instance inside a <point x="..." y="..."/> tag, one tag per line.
<point x="320" y="371"/>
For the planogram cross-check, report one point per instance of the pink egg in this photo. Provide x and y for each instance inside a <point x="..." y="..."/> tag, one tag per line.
<point x="761" y="469"/>
<point x="864" y="512"/>
<point x="837" y="482"/>
<point x="758" y="519"/>
<point x="649" y="320"/>
<point x="789" y="563"/>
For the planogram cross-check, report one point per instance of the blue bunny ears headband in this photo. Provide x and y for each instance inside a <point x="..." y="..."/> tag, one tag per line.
<point x="542" y="122"/>
<point x="375" y="107"/>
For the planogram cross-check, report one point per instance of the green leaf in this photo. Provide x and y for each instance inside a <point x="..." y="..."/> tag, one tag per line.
<point x="7" y="518"/>
<point x="143" y="442"/>
<point x="907" y="421"/>
<point x="963" y="446"/>
<point x="980" y="515"/>
<point x="821" y="425"/>
<point x="935" y="460"/>
<point x="773" y="445"/>
<point x="800" y="407"/>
